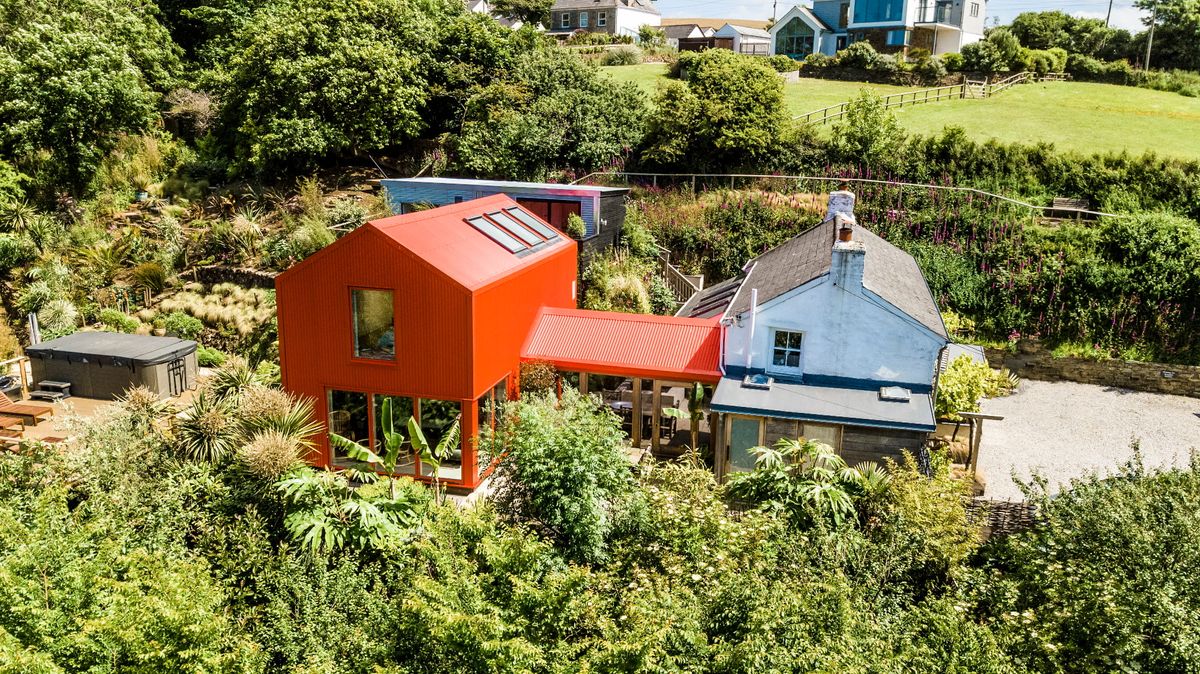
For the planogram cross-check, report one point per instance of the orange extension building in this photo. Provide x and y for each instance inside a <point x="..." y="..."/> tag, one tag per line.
<point x="436" y="309"/>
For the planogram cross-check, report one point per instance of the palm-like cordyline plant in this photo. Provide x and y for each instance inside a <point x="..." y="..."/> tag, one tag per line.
<point x="207" y="429"/>
<point x="808" y="480"/>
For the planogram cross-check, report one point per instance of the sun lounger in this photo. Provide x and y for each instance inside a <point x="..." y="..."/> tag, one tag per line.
<point x="35" y="411"/>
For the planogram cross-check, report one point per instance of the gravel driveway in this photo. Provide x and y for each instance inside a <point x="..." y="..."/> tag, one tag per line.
<point x="1064" y="430"/>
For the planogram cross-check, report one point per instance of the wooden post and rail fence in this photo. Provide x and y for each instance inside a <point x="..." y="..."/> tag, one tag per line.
<point x="968" y="89"/>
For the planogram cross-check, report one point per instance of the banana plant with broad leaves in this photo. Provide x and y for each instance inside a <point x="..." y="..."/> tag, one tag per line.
<point x="393" y="445"/>
<point x="432" y="454"/>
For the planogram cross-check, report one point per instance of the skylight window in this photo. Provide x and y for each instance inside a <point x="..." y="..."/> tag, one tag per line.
<point x="515" y="229"/>
<point x="532" y="222"/>
<point x="490" y="230"/>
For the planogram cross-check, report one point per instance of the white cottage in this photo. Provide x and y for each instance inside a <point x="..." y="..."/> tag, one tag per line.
<point x="832" y="336"/>
<point x="745" y="40"/>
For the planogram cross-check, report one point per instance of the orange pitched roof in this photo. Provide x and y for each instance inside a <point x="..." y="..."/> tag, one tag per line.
<point x="632" y="345"/>
<point x="443" y="239"/>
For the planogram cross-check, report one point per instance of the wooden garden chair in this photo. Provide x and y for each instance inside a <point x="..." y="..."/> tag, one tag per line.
<point x="35" y="411"/>
<point x="11" y="426"/>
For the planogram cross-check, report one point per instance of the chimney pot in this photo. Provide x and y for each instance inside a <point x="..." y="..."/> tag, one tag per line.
<point x="845" y="234"/>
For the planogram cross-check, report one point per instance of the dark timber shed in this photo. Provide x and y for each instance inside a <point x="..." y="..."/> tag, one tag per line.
<point x="103" y="365"/>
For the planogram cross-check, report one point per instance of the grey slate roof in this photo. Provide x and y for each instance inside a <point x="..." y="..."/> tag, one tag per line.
<point x="711" y="302"/>
<point x="679" y="30"/>
<point x="642" y="5"/>
<point x="889" y="272"/>
<point x="789" y="265"/>
<point x="822" y="403"/>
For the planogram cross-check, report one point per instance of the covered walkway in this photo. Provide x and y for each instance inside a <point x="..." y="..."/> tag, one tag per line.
<point x="636" y="362"/>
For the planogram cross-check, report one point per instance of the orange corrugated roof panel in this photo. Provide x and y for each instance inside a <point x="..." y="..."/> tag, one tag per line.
<point x="632" y="345"/>
<point x="443" y="239"/>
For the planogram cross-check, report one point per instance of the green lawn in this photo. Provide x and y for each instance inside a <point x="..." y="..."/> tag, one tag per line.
<point x="1075" y="116"/>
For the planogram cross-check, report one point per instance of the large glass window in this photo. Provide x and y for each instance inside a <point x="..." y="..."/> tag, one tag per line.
<point x="401" y="410"/>
<point x="348" y="417"/>
<point x="743" y="436"/>
<point x="794" y="39"/>
<point x="374" y="324"/>
<point x="436" y="417"/>
<point x="880" y="10"/>
<point x="785" y="351"/>
<point x="490" y="410"/>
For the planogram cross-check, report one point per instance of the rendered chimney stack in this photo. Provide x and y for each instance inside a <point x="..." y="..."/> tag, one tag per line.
<point x="841" y="202"/>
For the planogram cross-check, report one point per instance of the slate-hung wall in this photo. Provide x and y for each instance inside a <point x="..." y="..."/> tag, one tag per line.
<point x="602" y="208"/>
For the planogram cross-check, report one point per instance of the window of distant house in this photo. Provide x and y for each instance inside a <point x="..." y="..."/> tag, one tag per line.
<point x="566" y="20"/>
<point x="374" y="324"/>
<point x="844" y="15"/>
<point x="896" y="38"/>
<point x="878" y="11"/>
<point x="583" y="20"/>
<point x="602" y="19"/>
<point x="974" y="9"/>
<point x="785" y="349"/>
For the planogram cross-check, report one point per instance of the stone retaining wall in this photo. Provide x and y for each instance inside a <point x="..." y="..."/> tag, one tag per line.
<point x="1034" y="361"/>
<point x="242" y="276"/>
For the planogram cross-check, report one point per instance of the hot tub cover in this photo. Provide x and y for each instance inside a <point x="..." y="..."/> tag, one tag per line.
<point x="113" y="348"/>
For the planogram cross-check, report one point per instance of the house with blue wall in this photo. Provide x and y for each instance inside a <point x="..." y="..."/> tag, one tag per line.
<point x="940" y="26"/>
<point x="602" y="209"/>
<point x="832" y="336"/>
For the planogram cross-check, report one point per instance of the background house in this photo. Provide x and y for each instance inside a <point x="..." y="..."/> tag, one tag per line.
<point x="688" y="33"/>
<point x="940" y="26"/>
<point x="615" y="17"/>
<point x="833" y="336"/>
<point x="601" y="208"/>
<point x="744" y="39"/>
<point x="800" y="33"/>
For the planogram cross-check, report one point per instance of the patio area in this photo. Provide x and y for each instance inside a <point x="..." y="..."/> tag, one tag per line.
<point x="56" y="426"/>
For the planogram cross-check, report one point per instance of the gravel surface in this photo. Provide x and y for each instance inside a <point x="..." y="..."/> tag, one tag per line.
<point x="1063" y="430"/>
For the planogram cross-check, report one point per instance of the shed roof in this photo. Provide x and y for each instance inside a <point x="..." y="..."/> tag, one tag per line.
<point x="113" y="348"/>
<point x="852" y="406"/>
<point x="444" y="238"/>
<point x="513" y="185"/>
<point x="746" y="31"/>
<point x="634" y="345"/>
<point x="888" y="272"/>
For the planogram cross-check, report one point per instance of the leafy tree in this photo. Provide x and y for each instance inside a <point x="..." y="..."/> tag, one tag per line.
<point x="554" y="112"/>
<point x="311" y="80"/>
<point x="69" y="87"/>
<point x="530" y="12"/>
<point x="1056" y="29"/>
<point x="1176" y="34"/>
<point x="997" y="52"/>
<point x="1104" y="583"/>
<point x="728" y="114"/>
<point x="868" y="133"/>
<point x="564" y="470"/>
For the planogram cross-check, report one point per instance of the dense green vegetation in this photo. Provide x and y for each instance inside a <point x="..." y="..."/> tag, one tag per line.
<point x="132" y="552"/>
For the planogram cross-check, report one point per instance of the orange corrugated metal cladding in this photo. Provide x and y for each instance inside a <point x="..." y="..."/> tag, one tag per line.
<point x="450" y="343"/>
